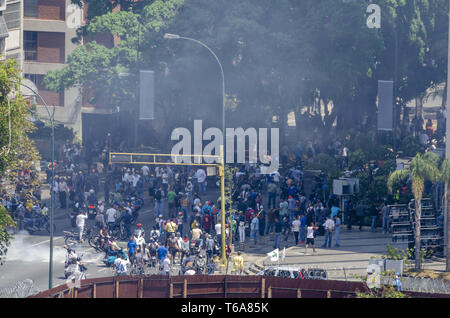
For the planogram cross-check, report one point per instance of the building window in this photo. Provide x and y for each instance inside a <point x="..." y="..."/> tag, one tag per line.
<point x="30" y="45"/>
<point x="51" y="98"/>
<point x="30" y="8"/>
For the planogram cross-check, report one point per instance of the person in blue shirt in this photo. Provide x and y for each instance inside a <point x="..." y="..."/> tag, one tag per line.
<point x="206" y="209"/>
<point x="131" y="249"/>
<point x="162" y="254"/>
<point x="334" y="211"/>
<point x="127" y="221"/>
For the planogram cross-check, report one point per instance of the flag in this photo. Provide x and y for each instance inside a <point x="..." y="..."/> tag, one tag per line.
<point x="283" y="255"/>
<point x="274" y="255"/>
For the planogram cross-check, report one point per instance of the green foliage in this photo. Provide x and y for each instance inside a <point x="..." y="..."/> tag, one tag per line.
<point x="230" y="172"/>
<point x="397" y="179"/>
<point x="357" y="159"/>
<point x="410" y="146"/>
<point x="17" y="152"/>
<point x="6" y="223"/>
<point x="385" y="292"/>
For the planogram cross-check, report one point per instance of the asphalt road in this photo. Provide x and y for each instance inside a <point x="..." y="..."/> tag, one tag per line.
<point x="28" y="255"/>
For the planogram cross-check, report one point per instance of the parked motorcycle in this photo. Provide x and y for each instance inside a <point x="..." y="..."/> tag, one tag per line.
<point x="92" y="211"/>
<point x="71" y="238"/>
<point x="38" y="224"/>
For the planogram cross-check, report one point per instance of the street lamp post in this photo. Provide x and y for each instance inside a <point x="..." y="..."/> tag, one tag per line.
<point x="169" y="36"/>
<point x="52" y="208"/>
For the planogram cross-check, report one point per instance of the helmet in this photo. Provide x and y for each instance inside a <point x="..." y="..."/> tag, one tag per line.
<point x="139" y="225"/>
<point x="91" y="191"/>
<point x="180" y="213"/>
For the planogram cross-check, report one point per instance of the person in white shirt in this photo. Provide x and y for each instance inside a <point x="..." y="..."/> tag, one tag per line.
<point x="296" y="229"/>
<point x="166" y="266"/>
<point x="81" y="220"/>
<point x="123" y="267"/>
<point x="135" y="178"/>
<point x="111" y="215"/>
<point x="337" y="229"/>
<point x="145" y="171"/>
<point x="310" y="237"/>
<point x="218" y="230"/>
<point x="242" y="230"/>
<point x="329" y="228"/>
<point x="201" y="180"/>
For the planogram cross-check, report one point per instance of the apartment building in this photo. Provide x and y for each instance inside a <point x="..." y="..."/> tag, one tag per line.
<point x="48" y="29"/>
<point x="11" y="30"/>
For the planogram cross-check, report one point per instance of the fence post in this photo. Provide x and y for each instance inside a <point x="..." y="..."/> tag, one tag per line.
<point x="329" y="294"/>
<point x="263" y="286"/>
<point x="141" y="288"/>
<point x="299" y="293"/>
<point x="185" y="288"/>
<point x="269" y="292"/>
<point x="94" y="290"/>
<point x="171" y="291"/>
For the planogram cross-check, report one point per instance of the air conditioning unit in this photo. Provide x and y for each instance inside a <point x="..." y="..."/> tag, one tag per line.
<point x="345" y="186"/>
<point x="2" y="5"/>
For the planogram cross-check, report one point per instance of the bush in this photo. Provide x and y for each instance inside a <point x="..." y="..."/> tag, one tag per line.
<point x="410" y="146"/>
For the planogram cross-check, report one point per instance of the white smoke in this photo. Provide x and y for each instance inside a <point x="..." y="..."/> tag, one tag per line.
<point x="21" y="249"/>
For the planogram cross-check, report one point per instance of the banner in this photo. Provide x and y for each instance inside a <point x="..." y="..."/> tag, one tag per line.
<point x="274" y="255"/>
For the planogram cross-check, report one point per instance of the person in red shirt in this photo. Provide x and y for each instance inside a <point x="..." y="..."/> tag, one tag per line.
<point x="248" y="215"/>
<point x="207" y="222"/>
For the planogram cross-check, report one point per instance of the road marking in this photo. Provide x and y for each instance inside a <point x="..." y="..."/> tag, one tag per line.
<point x="47" y="241"/>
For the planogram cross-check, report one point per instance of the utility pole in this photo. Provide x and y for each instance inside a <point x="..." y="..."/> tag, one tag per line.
<point x="447" y="156"/>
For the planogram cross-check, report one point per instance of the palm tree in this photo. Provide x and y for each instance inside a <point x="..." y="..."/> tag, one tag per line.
<point x="422" y="168"/>
<point x="445" y="176"/>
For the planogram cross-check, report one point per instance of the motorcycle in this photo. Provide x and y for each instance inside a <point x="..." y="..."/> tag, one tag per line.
<point x="71" y="238"/>
<point x="196" y="247"/>
<point x="199" y="264"/>
<point x="111" y="257"/>
<point x="118" y="230"/>
<point x="37" y="224"/>
<point x="92" y="211"/>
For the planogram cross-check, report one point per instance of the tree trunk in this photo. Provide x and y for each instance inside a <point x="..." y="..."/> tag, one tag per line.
<point x="418" y="212"/>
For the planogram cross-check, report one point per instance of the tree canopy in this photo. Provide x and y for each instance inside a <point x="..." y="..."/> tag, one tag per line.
<point x="278" y="56"/>
<point x="17" y="151"/>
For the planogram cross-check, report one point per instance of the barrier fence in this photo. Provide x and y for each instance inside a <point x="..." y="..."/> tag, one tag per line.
<point x="204" y="286"/>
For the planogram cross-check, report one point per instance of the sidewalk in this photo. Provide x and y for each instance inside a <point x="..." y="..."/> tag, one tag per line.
<point x="341" y="263"/>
